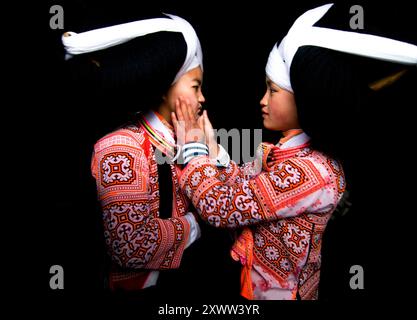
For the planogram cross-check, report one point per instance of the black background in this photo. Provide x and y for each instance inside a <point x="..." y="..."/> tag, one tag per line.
<point x="61" y="224"/>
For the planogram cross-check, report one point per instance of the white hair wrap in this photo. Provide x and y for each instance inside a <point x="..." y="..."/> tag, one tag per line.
<point x="303" y="33"/>
<point x="99" y="39"/>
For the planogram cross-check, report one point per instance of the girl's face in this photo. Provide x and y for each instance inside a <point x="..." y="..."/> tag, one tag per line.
<point x="278" y="108"/>
<point x="187" y="87"/>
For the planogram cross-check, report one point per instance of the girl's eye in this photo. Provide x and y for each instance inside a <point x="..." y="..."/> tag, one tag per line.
<point x="272" y="90"/>
<point x="196" y="87"/>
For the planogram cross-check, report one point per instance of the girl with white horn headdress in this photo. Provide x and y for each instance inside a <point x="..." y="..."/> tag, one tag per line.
<point x="283" y="208"/>
<point x="148" y="223"/>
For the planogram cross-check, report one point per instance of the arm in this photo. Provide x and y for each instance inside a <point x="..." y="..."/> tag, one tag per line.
<point x="235" y="173"/>
<point x="135" y="237"/>
<point x="228" y="171"/>
<point x="294" y="187"/>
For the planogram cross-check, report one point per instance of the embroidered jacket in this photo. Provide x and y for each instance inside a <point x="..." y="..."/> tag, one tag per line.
<point x="138" y="241"/>
<point x="284" y="210"/>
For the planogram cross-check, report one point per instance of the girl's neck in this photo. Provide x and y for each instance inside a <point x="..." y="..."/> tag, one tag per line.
<point x="164" y="111"/>
<point x="288" y="134"/>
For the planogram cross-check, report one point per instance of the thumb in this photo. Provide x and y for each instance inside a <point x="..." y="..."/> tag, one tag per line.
<point x="174" y="120"/>
<point x="208" y="128"/>
<point x="200" y="122"/>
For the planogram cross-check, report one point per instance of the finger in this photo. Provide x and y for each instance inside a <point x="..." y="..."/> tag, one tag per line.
<point x="184" y="111"/>
<point x="201" y="123"/>
<point x="178" y="110"/>
<point x="174" y="121"/>
<point x="208" y="127"/>
<point x="191" y="114"/>
<point x="207" y="122"/>
<point x="206" y="132"/>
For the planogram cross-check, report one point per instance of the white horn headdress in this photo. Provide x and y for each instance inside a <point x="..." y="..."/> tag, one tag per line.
<point x="99" y="39"/>
<point x="303" y="33"/>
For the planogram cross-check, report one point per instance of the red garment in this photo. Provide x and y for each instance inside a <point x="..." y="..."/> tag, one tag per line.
<point x="285" y="207"/>
<point x="125" y="170"/>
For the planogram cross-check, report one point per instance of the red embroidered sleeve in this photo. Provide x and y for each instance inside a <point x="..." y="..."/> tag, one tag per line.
<point x="135" y="236"/>
<point x="234" y="173"/>
<point x="292" y="188"/>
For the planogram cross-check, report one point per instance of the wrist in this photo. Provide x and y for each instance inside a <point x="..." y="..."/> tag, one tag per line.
<point x="194" y="149"/>
<point x="214" y="150"/>
<point x="222" y="158"/>
<point x="194" y="135"/>
<point x="194" y="140"/>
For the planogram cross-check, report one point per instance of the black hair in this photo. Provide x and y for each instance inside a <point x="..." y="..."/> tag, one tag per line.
<point x="331" y="88"/>
<point x="109" y="87"/>
<point x="132" y="76"/>
<point x="329" y="94"/>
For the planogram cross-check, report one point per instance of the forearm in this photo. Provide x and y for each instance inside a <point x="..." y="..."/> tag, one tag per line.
<point x="267" y="197"/>
<point x="152" y="243"/>
<point x="219" y="204"/>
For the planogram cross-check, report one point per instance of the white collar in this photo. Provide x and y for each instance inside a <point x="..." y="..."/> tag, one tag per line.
<point x="158" y="125"/>
<point x="295" y="141"/>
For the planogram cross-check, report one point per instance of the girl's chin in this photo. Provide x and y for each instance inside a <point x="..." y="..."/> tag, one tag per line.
<point x="269" y="126"/>
<point x="266" y="124"/>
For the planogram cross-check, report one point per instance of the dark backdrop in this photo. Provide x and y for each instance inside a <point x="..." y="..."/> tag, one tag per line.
<point x="61" y="213"/>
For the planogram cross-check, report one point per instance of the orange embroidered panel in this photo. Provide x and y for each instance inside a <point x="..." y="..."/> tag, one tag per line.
<point x="287" y="184"/>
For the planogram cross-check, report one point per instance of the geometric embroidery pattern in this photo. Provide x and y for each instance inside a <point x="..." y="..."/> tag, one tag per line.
<point x="284" y="245"/>
<point x="292" y="181"/>
<point x="287" y="175"/>
<point x="117" y="168"/>
<point x="126" y="173"/>
<point x="286" y="207"/>
<point x="338" y="171"/>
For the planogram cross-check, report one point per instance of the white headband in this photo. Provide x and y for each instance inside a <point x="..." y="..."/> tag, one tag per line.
<point x="99" y="39"/>
<point x="303" y="33"/>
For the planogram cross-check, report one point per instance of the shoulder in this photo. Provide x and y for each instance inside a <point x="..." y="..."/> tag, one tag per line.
<point x="309" y="165"/>
<point x="128" y="137"/>
<point x="298" y="173"/>
<point x="329" y="168"/>
<point x="119" y="156"/>
<point x="310" y="173"/>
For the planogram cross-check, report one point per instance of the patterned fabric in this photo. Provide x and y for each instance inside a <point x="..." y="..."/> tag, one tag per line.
<point x="286" y="208"/>
<point x="243" y="251"/>
<point x="126" y="174"/>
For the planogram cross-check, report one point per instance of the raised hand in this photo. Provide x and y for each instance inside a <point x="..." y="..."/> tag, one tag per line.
<point x="188" y="127"/>
<point x="210" y="136"/>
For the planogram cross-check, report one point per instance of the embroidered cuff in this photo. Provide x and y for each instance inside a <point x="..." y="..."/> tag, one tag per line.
<point x="193" y="149"/>
<point x="195" y="231"/>
<point x="223" y="158"/>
